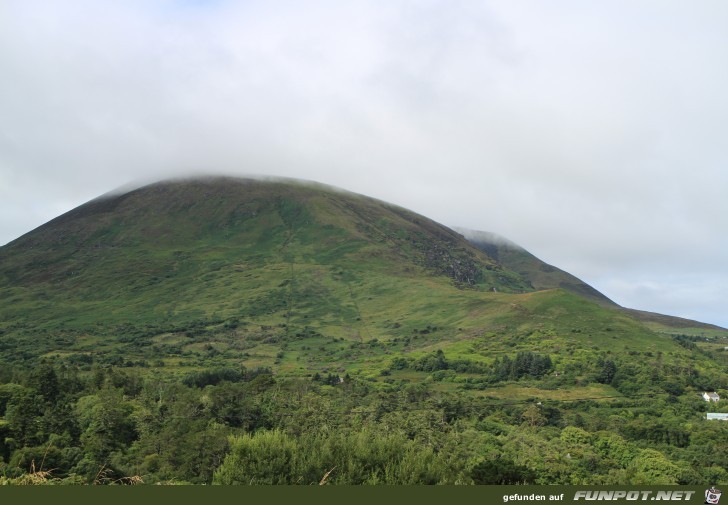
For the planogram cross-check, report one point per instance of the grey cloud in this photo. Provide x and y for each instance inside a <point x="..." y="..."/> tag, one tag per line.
<point x="592" y="136"/>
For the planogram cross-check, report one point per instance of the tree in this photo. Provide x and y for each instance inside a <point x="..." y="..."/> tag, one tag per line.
<point x="533" y="416"/>
<point x="45" y="381"/>
<point x="607" y="372"/>
<point x="501" y="471"/>
<point x="652" y="468"/>
<point x="23" y="414"/>
<point x="432" y="362"/>
<point x="232" y="405"/>
<point x="105" y="420"/>
<point x="266" y="457"/>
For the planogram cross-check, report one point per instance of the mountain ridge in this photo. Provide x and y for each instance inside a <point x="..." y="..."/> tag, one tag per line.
<point x="545" y="276"/>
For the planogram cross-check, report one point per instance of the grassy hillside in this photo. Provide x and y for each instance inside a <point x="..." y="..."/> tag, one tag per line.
<point x="217" y="251"/>
<point x="186" y="311"/>
<point x="297" y="277"/>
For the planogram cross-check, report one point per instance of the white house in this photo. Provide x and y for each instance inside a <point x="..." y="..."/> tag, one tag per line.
<point x="714" y="416"/>
<point x="711" y="397"/>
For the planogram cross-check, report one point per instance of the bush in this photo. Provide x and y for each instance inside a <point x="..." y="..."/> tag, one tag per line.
<point x="501" y="471"/>
<point x="213" y="377"/>
<point x="366" y="457"/>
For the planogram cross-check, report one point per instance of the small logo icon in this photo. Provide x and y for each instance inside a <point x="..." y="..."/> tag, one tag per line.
<point x="712" y="496"/>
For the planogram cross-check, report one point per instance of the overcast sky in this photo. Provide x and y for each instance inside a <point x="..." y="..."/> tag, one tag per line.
<point x="594" y="134"/>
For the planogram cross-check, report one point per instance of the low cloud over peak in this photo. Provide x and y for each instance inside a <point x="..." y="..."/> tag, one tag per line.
<point x="593" y="136"/>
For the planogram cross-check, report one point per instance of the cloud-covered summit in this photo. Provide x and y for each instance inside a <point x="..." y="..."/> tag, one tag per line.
<point x="590" y="134"/>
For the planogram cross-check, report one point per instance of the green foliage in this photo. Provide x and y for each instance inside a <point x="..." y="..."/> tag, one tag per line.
<point x="267" y="430"/>
<point x="45" y="381"/>
<point x="608" y="369"/>
<point x="212" y="377"/>
<point x="7" y="392"/>
<point x="575" y="437"/>
<point x="105" y="423"/>
<point x="651" y="467"/>
<point x="366" y="457"/>
<point x="432" y="362"/>
<point x="501" y="471"/>
<point x="264" y="458"/>
<point x="24" y="417"/>
<point x="525" y="364"/>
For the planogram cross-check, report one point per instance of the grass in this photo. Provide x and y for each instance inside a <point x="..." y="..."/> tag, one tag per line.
<point x="712" y="334"/>
<point x="517" y="392"/>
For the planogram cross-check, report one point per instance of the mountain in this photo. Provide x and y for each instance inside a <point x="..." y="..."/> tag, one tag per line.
<point x="180" y="241"/>
<point x="245" y="331"/>
<point x="242" y="266"/>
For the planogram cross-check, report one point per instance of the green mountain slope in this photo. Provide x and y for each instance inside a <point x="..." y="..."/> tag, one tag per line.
<point x="178" y="253"/>
<point x="195" y="330"/>
<point x="246" y="269"/>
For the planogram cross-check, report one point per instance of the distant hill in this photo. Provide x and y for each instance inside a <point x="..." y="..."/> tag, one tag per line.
<point x="539" y="274"/>
<point x="542" y="276"/>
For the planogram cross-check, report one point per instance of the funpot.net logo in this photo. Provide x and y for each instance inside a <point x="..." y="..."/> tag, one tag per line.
<point x="673" y="495"/>
<point x="712" y="496"/>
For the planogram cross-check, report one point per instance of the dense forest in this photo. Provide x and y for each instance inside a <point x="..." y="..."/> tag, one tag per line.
<point x="102" y="424"/>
